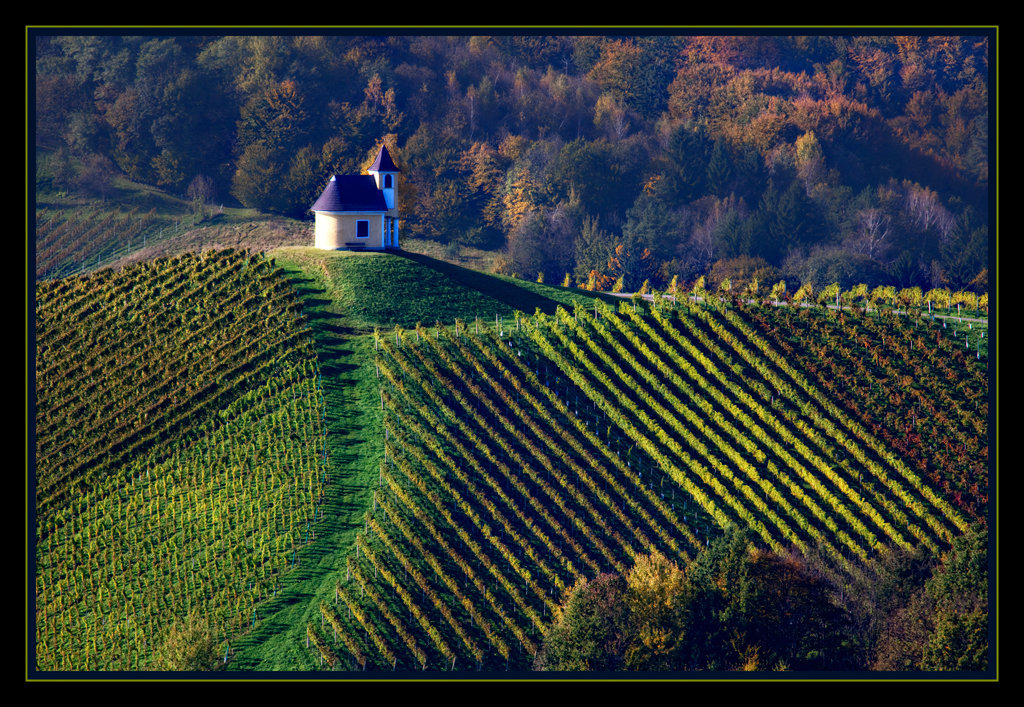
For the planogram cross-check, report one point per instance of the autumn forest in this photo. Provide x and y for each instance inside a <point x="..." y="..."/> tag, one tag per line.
<point x="575" y="158"/>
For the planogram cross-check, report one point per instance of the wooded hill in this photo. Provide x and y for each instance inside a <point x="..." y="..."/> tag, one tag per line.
<point x="813" y="158"/>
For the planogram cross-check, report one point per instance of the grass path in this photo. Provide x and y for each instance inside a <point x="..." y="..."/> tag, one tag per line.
<point x="346" y="296"/>
<point x="354" y="451"/>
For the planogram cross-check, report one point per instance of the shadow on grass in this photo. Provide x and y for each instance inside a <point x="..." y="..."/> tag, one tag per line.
<point x="312" y="306"/>
<point x="334" y="354"/>
<point x="328" y="325"/>
<point x="508" y="293"/>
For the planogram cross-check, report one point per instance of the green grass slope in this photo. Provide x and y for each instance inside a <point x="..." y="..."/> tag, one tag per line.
<point x="76" y="234"/>
<point x="384" y="290"/>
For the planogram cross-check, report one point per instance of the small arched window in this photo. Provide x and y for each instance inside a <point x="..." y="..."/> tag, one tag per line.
<point x="387" y="181"/>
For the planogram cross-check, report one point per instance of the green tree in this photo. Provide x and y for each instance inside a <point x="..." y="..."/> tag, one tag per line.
<point x="785" y="221"/>
<point x="652" y="223"/>
<point x="192" y="132"/>
<point x="190" y="645"/>
<point x="258" y="173"/>
<point x="593" y="246"/>
<point x="958" y="595"/>
<point x="604" y="176"/>
<point x="942" y="625"/>
<point x="689" y="150"/>
<point x="592" y="631"/>
<point x="732" y="231"/>
<point x="720" y="584"/>
<point x="276" y="117"/>
<point x="158" y="72"/>
<point x="720" y="172"/>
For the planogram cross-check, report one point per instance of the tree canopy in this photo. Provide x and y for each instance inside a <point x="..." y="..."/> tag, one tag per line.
<point x="739" y="607"/>
<point x="872" y="148"/>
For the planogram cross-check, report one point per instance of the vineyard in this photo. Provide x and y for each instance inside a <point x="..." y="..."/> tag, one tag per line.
<point x="577" y="426"/>
<point x="196" y="416"/>
<point x="70" y="241"/>
<point x="521" y="458"/>
<point x="180" y="453"/>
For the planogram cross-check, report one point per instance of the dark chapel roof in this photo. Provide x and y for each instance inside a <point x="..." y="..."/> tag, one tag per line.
<point x="357" y="192"/>
<point x="351" y="192"/>
<point x="383" y="162"/>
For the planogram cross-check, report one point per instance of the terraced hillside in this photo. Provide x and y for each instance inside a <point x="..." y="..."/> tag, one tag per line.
<point x="179" y="450"/>
<point x="284" y="452"/>
<point x="521" y="457"/>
